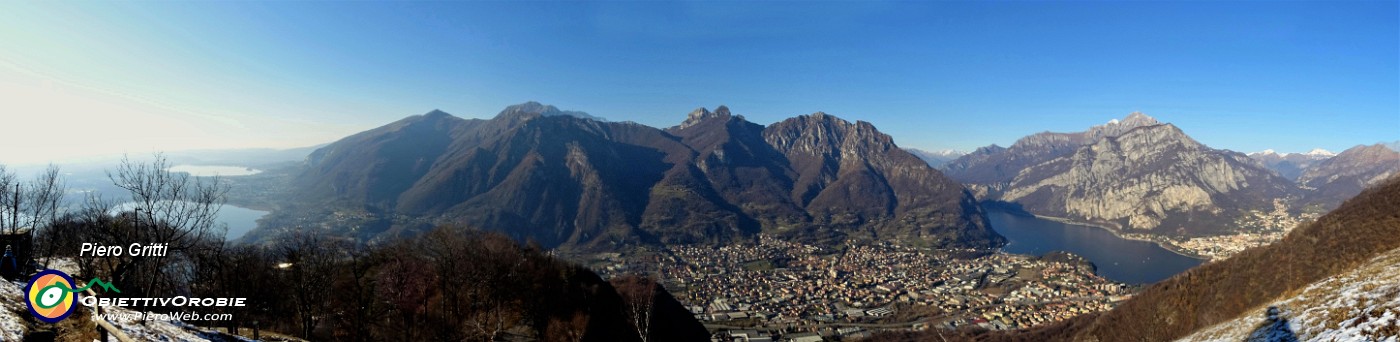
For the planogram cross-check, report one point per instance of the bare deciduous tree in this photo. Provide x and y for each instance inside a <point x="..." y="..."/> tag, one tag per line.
<point x="310" y="262"/>
<point x="174" y="209"/>
<point x="638" y="299"/>
<point x="567" y="330"/>
<point x="32" y="205"/>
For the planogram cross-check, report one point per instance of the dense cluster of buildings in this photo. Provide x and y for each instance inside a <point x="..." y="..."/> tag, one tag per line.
<point x="1258" y="228"/>
<point x="777" y="286"/>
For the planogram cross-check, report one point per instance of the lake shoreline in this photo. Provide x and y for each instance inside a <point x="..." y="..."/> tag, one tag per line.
<point x="1119" y="258"/>
<point x="198" y="170"/>
<point x="1116" y="232"/>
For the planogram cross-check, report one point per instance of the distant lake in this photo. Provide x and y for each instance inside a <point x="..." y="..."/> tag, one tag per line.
<point x="1119" y="259"/>
<point x="239" y="220"/>
<point x="214" y="170"/>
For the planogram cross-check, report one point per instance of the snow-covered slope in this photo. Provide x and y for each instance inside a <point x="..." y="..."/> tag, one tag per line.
<point x="11" y="307"/>
<point x="1360" y="305"/>
<point x="154" y="330"/>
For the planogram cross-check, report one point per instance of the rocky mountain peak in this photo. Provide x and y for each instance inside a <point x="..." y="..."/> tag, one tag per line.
<point x="698" y="114"/>
<point x="1117" y="127"/>
<point x="824" y="134"/>
<point x="530" y="107"/>
<point x="722" y="111"/>
<point x="701" y="114"/>
<point x="520" y="113"/>
<point x="826" y="120"/>
<point x="993" y="148"/>
<point x="1139" y="119"/>
<point x="1321" y="153"/>
<point x="525" y="111"/>
<point x="1367" y="153"/>
<point x="437" y="113"/>
<point x="1151" y="138"/>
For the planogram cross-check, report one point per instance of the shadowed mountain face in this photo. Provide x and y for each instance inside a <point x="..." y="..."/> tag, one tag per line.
<point x="563" y="179"/>
<point x="1135" y="174"/>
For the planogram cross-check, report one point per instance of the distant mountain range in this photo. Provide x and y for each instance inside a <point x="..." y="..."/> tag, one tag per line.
<point x="1290" y="165"/>
<point x="564" y="179"/>
<point x="936" y="159"/>
<point x="1336" y="179"/>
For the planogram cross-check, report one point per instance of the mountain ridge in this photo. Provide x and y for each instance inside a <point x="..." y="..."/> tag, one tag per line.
<point x="567" y="180"/>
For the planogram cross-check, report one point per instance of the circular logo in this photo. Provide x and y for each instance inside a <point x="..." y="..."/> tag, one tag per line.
<point x="50" y="295"/>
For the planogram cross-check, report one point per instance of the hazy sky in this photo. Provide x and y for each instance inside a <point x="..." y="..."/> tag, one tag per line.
<point x="81" y="78"/>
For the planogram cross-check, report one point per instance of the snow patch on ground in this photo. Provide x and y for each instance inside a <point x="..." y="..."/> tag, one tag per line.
<point x="11" y="308"/>
<point x="1360" y="305"/>
<point x="67" y="265"/>
<point x="153" y="330"/>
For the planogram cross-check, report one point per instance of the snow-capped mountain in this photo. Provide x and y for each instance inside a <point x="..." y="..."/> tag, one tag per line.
<point x="1317" y="152"/>
<point x="1290" y="165"/>
<point x="936" y="158"/>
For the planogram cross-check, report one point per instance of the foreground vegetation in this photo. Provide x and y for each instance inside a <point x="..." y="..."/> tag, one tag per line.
<point x="450" y="284"/>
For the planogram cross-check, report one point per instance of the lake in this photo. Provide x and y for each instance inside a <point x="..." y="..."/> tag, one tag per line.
<point x="239" y="220"/>
<point x="1119" y="259"/>
<point x="214" y="170"/>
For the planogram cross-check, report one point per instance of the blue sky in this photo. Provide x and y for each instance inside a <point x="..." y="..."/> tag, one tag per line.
<point x="136" y="77"/>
